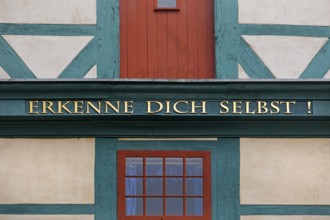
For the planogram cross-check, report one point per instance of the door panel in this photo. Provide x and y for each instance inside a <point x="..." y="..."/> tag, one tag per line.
<point x="167" y="43"/>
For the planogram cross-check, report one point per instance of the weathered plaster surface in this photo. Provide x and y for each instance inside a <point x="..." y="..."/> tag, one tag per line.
<point x="241" y="73"/>
<point x="3" y="74"/>
<point x="47" y="56"/>
<point x="92" y="74"/>
<point x="297" y="12"/>
<point x="46" y="217"/>
<point x="47" y="171"/>
<point x="286" y="57"/>
<point x="285" y="218"/>
<point x="48" y="11"/>
<point x="285" y="171"/>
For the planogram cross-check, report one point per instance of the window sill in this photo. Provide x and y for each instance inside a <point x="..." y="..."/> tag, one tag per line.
<point x="167" y="9"/>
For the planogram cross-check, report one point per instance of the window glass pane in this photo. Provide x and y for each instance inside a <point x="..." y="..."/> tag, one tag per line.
<point x="194" y="186"/>
<point x="194" y="206"/>
<point x="134" y="166"/>
<point x="194" y="166"/>
<point x="167" y="3"/>
<point x="154" y="186"/>
<point x="134" y="186"/>
<point x="134" y="206"/>
<point x="174" y="166"/>
<point x="154" y="206"/>
<point x="154" y="166"/>
<point x="174" y="206"/>
<point x="174" y="186"/>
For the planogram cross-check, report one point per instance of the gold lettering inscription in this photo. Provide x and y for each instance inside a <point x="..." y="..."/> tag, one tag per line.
<point x="114" y="108"/>
<point x="78" y="107"/>
<point x="237" y="107"/>
<point x="128" y="107"/>
<point x="33" y="107"/>
<point x="47" y="105"/>
<point x="202" y="106"/>
<point x="275" y="107"/>
<point x="288" y="106"/>
<point x="262" y="107"/>
<point x="62" y="106"/>
<point x="159" y="107"/>
<point x="224" y="109"/>
<point x="247" y="108"/>
<point x="175" y="107"/>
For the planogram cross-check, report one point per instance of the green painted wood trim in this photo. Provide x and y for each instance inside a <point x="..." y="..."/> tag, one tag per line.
<point x="12" y="63"/>
<point x="320" y="64"/>
<point x="96" y="127"/>
<point x="82" y="63"/>
<point x="226" y="38"/>
<point x="166" y="90"/>
<point x="108" y="41"/>
<point x="229" y="187"/>
<point x="105" y="179"/>
<point x="252" y="64"/>
<point x="284" y="30"/>
<point x="285" y="210"/>
<point x="48" y="29"/>
<point x="46" y="209"/>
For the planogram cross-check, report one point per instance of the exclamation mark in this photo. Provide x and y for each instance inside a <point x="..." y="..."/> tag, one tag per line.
<point x="309" y="105"/>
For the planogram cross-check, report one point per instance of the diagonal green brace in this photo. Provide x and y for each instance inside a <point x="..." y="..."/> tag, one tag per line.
<point x="12" y="63"/>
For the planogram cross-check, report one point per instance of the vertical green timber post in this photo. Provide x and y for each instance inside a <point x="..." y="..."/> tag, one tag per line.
<point x="228" y="193"/>
<point x="108" y="38"/>
<point x="105" y="179"/>
<point x="226" y="38"/>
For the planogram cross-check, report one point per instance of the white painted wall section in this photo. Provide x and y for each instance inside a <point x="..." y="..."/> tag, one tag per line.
<point x="296" y="12"/>
<point x="285" y="171"/>
<point x="3" y="74"/>
<point x="286" y="57"/>
<point x="47" y="56"/>
<point x="47" y="171"/>
<point x="48" y="11"/>
<point x="46" y="217"/>
<point x="241" y="73"/>
<point x="285" y="218"/>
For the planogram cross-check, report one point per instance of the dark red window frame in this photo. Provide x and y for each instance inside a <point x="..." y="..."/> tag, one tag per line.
<point x="122" y="155"/>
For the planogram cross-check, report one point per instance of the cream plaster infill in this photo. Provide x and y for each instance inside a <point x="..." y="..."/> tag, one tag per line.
<point x="286" y="56"/>
<point x="285" y="171"/>
<point x="47" y="171"/>
<point x="295" y="12"/>
<point x="48" y="11"/>
<point x="46" y="217"/>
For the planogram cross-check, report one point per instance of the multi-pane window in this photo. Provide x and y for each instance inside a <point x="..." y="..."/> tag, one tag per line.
<point x="164" y="185"/>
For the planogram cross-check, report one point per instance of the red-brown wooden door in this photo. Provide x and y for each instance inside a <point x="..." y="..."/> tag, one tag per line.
<point x="166" y="43"/>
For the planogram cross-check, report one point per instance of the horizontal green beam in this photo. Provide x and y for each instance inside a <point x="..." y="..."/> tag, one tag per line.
<point x="154" y="127"/>
<point x="122" y="89"/>
<point x="48" y="29"/>
<point x="38" y="209"/>
<point x="284" y="30"/>
<point x="285" y="210"/>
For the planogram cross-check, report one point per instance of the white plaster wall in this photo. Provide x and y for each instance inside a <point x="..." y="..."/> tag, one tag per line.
<point x="47" y="56"/>
<point x="285" y="218"/>
<point x="47" y="171"/>
<point x="92" y="74"/>
<point x="285" y="171"/>
<point x="286" y="56"/>
<point x="327" y="76"/>
<point x="241" y="73"/>
<point x="296" y="12"/>
<point x="48" y="11"/>
<point x="46" y="217"/>
<point x="3" y="74"/>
